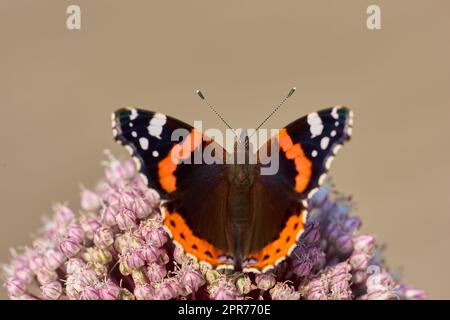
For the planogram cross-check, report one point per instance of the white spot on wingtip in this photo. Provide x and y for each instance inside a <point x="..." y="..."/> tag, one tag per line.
<point x="334" y="113"/>
<point x="337" y="148"/>
<point x="129" y="149"/>
<point x="143" y="177"/>
<point x="349" y="131"/>
<point x="133" y="114"/>
<point x="156" y="125"/>
<point x="143" y="142"/>
<point x="134" y="134"/>
<point x="314" y="153"/>
<point x="333" y="133"/>
<point x="322" y="179"/>
<point x="315" y="124"/>
<point x="137" y="163"/>
<point x="324" y="142"/>
<point x="328" y="162"/>
<point x="155" y="153"/>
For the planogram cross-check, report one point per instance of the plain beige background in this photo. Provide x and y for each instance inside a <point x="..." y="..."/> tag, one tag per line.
<point x="58" y="88"/>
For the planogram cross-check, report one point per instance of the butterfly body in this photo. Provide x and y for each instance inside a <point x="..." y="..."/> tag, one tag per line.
<point x="231" y="214"/>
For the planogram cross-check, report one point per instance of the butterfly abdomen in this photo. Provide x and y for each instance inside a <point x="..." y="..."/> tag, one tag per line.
<point x="241" y="177"/>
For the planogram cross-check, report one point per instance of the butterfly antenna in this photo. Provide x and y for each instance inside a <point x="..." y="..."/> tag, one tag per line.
<point x="201" y="95"/>
<point x="290" y="93"/>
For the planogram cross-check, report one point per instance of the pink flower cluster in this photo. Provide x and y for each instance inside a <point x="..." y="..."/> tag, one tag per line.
<point x="116" y="248"/>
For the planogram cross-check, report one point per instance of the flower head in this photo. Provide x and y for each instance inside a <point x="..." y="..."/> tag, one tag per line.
<point x="117" y="248"/>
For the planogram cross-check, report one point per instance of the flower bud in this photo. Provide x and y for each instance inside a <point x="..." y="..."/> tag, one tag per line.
<point x="24" y="274"/>
<point x="103" y="237"/>
<point x="359" y="261"/>
<point x="152" y="254"/>
<point x="244" y="284"/>
<point x="100" y="269"/>
<point x="126" y="199"/>
<point x="70" y="247"/>
<point x="109" y="291"/>
<point x="155" y="236"/>
<point x="134" y="259"/>
<point x="344" y="244"/>
<point x="168" y="289"/>
<point x="108" y="216"/>
<point x="211" y="275"/>
<point x="124" y="268"/>
<point x="311" y="235"/>
<point x="87" y="277"/>
<point x="126" y="219"/>
<point x="53" y="259"/>
<point x="117" y="171"/>
<point x="76" y="232"/>
<point x="352" y="224"/>
<point x="143" y="292"/>
<point x="45" y="276"/>
<point x="89" y="293"/>
<point x="63" y="214"/>
<point x="414" y="294"/>
<point x="89" y="225"/>
<point x="151" y="196"/>
<point x="36" y="262"/>
<point x="95" y="255"/>
<point x="75" y="265"/>
<point x="51" y="290"/>
<point x="382" y="294"/>
<point x="156" y="272"/>
<point x="282" y="291"/>
<point x="141" y="208"/>
<point x="223" y="291"/>
<point x="90" y="201"/>
<point x="265" y="281"/>
<point x="191" y="279"/>
<point x="15" y="287"/>
<point x="364" y="243"/>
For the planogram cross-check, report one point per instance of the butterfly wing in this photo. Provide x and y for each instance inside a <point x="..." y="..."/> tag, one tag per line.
<point x="306" y="148"/>
<point x="165" y="149"/>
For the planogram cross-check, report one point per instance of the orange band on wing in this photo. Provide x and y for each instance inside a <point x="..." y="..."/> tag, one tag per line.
<point x="280" y="248"/>
<point x="302" y="164"/>
<point x="179" y="152"/>
<point x="182" y="234"/>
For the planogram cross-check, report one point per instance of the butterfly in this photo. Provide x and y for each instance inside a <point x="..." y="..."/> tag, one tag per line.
<point x="230" y="215"/>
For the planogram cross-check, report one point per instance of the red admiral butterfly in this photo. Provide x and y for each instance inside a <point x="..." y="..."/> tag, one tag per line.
<point x="230" y="215"/>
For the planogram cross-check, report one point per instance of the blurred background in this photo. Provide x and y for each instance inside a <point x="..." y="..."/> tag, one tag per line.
<point x="59" y="86"/>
